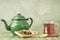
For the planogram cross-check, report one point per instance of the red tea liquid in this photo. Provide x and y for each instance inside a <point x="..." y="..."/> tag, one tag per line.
<point x="49" y="29"/>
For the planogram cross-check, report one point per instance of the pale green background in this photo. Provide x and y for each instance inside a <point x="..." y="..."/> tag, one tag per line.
<point x="39" y="10"/>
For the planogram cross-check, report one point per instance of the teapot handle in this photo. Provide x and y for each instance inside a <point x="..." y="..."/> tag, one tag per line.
<point x="31" y="21"/>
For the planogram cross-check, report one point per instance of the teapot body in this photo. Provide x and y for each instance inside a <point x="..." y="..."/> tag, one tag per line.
<point x="19" y="25"/>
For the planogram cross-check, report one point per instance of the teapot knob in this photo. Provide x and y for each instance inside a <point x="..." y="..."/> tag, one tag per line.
<point x="19" y="14"/>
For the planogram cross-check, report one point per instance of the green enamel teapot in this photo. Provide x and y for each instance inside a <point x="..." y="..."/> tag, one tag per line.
<point x="18" y="22"/>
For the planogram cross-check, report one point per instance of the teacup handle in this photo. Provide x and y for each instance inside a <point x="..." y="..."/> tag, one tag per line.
<point x="56" y="24"/>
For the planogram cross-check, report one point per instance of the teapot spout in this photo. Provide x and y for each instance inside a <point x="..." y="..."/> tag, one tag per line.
<point x="6" y="25"/>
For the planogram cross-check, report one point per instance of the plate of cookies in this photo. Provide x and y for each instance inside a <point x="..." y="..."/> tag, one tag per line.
<point x="25" y="33"/>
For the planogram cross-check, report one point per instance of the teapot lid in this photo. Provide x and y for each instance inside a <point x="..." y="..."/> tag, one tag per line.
<point x="18" y="16"/>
